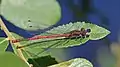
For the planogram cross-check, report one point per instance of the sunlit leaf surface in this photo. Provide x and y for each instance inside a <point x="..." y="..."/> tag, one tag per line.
<point x="31" y="14"/>
<point x="78" y="62"/>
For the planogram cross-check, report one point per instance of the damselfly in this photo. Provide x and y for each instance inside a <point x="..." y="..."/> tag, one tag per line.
<point x="72" y="34"/>
<point x="83" y="33"/>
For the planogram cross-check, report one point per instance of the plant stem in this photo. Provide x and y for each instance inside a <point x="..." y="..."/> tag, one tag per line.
<point x="10" y="37"/>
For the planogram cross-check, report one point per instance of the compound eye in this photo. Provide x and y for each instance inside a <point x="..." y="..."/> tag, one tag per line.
<point x="88" y="30"/>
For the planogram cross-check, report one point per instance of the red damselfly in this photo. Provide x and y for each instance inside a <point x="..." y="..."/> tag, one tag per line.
<point x="75" y="33"/>
<point x="82" y="33"/>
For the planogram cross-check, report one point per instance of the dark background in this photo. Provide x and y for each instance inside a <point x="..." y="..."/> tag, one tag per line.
<point x="105" y="13"/>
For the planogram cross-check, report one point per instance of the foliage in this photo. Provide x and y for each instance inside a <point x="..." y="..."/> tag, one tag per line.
<point x="34" y="47"/>
<point x="38" y="48"/>
<point x="47" y="13"/>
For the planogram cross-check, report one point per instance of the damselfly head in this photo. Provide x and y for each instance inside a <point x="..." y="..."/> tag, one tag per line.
<point x="85" y="32"/>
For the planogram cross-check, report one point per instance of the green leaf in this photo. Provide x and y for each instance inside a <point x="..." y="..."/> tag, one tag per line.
<point x="31" y="14"/>
<point x="36" y="47"/>
<point x="8" y="59"/>
<point x="95" y="34"/>
<point x="3" y="44"/>
<point x="78" y="62"/>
